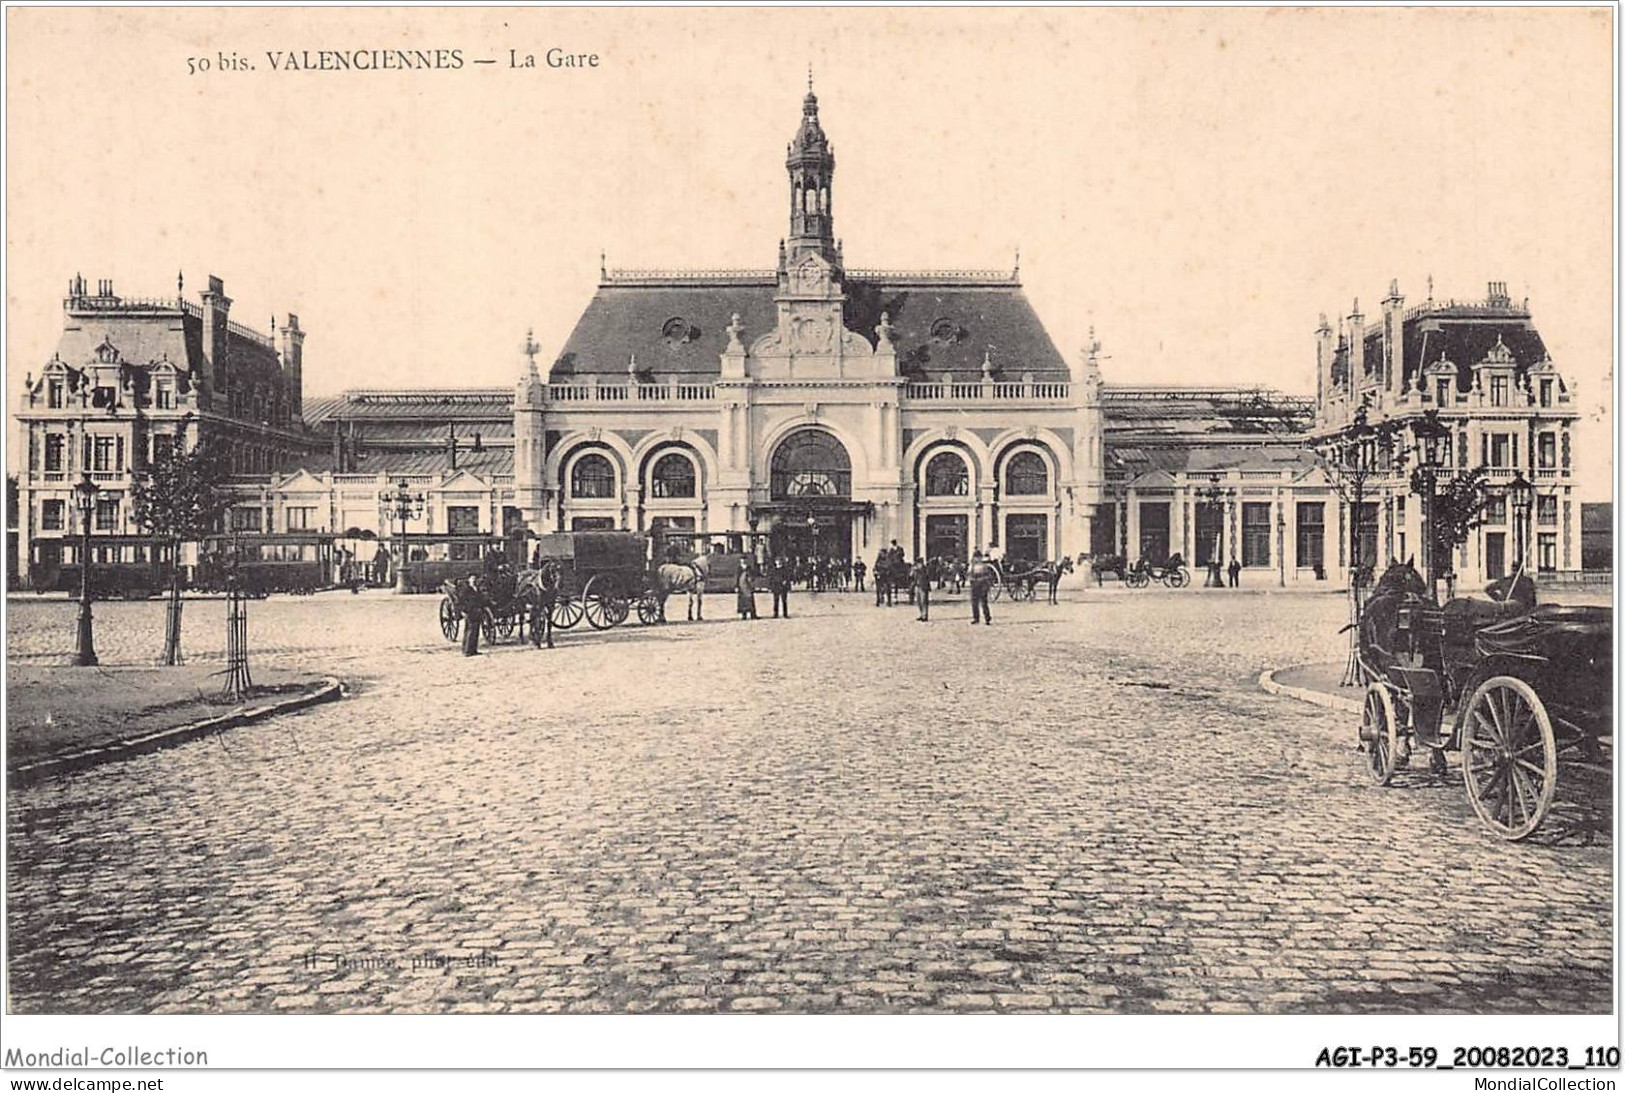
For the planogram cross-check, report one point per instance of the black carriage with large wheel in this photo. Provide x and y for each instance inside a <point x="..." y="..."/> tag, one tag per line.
<point x="1520" y="690"/>
<point x="504" y="608"/>
<point x="600" y="576"/>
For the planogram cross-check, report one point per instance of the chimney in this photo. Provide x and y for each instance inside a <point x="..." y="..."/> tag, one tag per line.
<point x="216" y="307"/>
<point x="293" y="368"/>
<point x="1325" y="349"/>
<point x="1356" y="350"/>
<point x="1393" y="337"/>
<point x="1497" y="295"/>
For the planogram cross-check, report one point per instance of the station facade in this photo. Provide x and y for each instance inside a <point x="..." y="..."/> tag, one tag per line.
<point x="829" y="409"/>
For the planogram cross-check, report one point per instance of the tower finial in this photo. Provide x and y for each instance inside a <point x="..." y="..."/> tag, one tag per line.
<point x="809" y="76"/>
<point x="603" y="266"/>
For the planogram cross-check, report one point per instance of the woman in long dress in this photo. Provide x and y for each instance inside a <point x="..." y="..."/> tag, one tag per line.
<point x="745" y="586"/>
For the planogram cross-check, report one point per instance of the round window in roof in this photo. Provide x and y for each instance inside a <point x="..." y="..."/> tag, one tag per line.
<point x="675" y="331"/>
<point x="946" y="332"/>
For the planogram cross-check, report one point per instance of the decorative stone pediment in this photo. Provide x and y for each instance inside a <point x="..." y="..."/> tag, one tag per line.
<point x="1313" y="476"/>
<point x="1499" y="356"/>
<point x="464" y="482"/>
<point x="301" y="481"/>
<point x="1153" y="479"/>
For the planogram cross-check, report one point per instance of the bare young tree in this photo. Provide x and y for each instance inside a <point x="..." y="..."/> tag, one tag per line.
<point x="180" y="498"/>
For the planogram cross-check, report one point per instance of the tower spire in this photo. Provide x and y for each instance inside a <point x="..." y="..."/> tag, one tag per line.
<point x="811" y="166"/>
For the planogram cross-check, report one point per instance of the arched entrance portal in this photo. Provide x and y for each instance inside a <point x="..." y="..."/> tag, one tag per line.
<point x="811" y="497"/>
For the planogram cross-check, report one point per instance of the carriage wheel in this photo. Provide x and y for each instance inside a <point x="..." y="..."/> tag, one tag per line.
<point x="1508" y="756"/>
<point x="1136" y="579"/>
<point x="505" y="624"/>
<point x="1021" y="590"/>
<point x="1178" y="578"/>
<point x="618" y="609"/>
<point x="450" y="620"/>
<point x="1379" y="732"/>
<point x="995" y="591"/>
<point x="566" y="612"/>
<point x="488" y="626"/>
<point x="649" y="609"/>
<point x="598" y="604"/>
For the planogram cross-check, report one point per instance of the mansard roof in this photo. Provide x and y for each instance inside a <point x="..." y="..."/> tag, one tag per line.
<point x="1467" y="340"/>
<point x="676" y="324"/>
<point x="145" y="333"/>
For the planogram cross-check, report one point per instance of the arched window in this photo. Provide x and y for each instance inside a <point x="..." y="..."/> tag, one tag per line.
<point x="1026" y="475"/>
<point x="592" y="478"/>
<point x="811" y="463"/>
<point x="673" y="476"/>
<point x="946" y="476"/>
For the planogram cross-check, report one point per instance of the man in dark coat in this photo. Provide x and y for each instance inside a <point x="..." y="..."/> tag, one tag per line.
<point x="471" y="602"/>
<point x="922" y="589"/>
<point x="778" y="581"/>
<point x="1235" y="573"/>
<point x="981" y="584"/>
<point x="858" y="569"/>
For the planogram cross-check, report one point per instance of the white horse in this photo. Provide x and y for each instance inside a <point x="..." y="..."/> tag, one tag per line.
<point x="684" y="577"/>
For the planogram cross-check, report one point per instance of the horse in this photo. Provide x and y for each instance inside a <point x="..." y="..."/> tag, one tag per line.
<point x="1102" y="564"/>
<point x="1400" y="586"/>
<point x="686" y="577"/>
<point x="1049" y="573"/>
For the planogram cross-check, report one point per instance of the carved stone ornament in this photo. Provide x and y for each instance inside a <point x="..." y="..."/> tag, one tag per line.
<point x="810" y="409"/>
<point x="677" y="432"/>
<point x="950" y="431"/>
<point x="594" y="434"/>
<point x="1032" y="432"/>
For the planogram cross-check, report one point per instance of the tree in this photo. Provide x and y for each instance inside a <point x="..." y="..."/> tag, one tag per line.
<point x="1458" y="508"/>
<point x="180" y="498"/>
<point x="1351" y="459"/>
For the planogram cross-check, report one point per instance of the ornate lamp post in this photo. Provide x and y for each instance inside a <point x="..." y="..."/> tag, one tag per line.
<point x="398" y="506"/>
<point x="1430" y="434"/>
<point x="1522" y="493"/>
<point x="1214" y="496"/>
<point x="84" y="499"/>
<point x="812" y="528"/>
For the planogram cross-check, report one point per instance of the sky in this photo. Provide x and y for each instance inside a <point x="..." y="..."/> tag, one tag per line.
<point x="1197" y="185"/>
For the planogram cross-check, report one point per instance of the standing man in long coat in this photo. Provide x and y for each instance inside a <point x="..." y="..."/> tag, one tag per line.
<point x="922" y="589"/>
<point x="981" y="584"/>
<point x="471" y="601"/>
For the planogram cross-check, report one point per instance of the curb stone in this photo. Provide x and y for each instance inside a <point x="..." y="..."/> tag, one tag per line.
<point x="1267" y="683"/>
<point x="329" y="690"/>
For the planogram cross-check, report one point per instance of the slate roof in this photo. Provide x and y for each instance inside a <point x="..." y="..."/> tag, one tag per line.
<point x="939" y="325"/>
<point x="1466" y="340"/>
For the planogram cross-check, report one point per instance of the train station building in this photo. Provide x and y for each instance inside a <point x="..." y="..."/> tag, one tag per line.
<point x="829" y="408"/>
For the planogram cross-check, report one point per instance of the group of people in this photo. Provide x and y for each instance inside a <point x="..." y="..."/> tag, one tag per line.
<point x="1233" y="571"/>
<point x="894" y="573"/>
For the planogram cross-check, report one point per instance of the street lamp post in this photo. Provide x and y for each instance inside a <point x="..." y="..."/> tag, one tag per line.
<point x="1214" y="496"/>
<point x="398" y="506"/>
<point x="813" y="575"/>
<point x="1522" y="493"/>
<point x="84" y="499"/>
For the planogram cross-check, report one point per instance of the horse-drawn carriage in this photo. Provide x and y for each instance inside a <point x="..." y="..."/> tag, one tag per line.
<point x="1019" y="580"/>
<point x="1172" y="572"/>
<point x="600" y="576"/>
<point x="1523" y="691"/>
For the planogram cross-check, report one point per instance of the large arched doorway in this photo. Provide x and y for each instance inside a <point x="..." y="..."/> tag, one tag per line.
<point x="811" y="490"/>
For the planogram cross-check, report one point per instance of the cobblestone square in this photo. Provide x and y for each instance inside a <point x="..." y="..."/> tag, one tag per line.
<point x="1090" y="807"/>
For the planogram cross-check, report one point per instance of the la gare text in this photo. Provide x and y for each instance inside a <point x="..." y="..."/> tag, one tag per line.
<point x="387" y="60"/>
